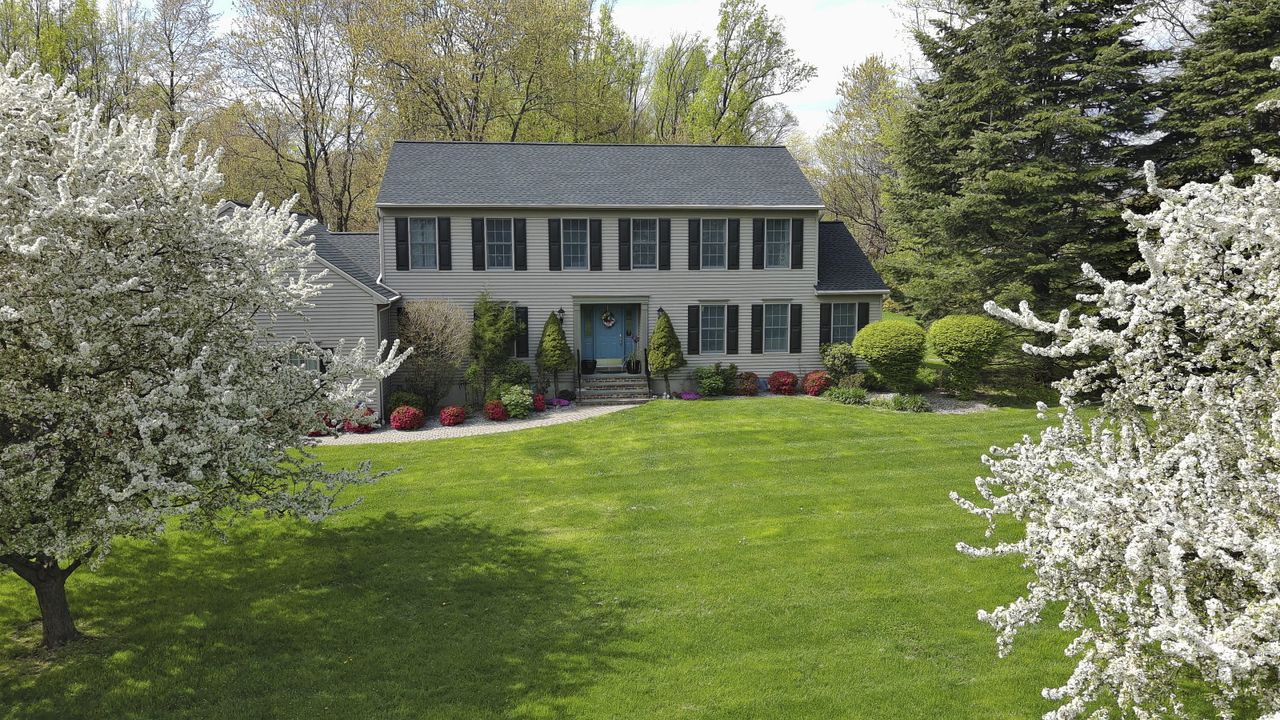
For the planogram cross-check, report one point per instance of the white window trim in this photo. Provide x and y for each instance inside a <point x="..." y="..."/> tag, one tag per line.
<point x="563" y="266"/>
<point x="787" y="242"/>
<point x="435" y="223"/>
<point x="702" y="236"/>
<point x="764" y="329"/>
<point x="854" y="326"/>
<point x="724" y="349"/>
<point x="657" y="242"/>
<point x="488" y="266"/>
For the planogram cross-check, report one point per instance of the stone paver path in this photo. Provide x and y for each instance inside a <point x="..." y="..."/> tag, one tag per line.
<point x="473" y="426"/>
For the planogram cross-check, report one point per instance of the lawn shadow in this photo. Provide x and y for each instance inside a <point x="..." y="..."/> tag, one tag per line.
<point x="400" y="616"/>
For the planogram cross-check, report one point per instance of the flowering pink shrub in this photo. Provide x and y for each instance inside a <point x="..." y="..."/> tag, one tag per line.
<point x="748" y="383"/>
<point x="495" y="410"/>
<point x="782" y="383"/>
<point x="452" y="415"/>
<point x="407" y="417"/>
<point x="539" y="402"/>
<point x="816" y="382"/>
<point x="362" y="423"/>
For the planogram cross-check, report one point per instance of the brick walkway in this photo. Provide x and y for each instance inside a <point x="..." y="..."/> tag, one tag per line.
<point x="473" y="426"/>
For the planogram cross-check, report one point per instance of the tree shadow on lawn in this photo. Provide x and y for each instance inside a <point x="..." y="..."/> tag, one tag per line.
<point x="396" y="617"/>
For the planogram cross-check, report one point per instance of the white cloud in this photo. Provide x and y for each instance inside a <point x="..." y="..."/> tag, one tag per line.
<point x="829" y="34"/>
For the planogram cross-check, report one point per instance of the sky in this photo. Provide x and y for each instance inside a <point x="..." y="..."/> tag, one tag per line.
<point x="829" y="34"/>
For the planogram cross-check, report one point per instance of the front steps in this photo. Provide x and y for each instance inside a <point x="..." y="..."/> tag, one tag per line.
<point x="613" y="389"/>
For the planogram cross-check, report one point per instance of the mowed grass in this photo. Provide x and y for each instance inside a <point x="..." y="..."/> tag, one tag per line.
<point x="770" y="558"/>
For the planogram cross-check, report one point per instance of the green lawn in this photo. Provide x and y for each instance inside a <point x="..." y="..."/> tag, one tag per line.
<point x="774" y="558"/>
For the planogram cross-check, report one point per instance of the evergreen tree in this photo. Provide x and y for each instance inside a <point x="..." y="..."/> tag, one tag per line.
<point x="1211" y="123"/>
<point x="665" y="354"/>
<point x="493" y="329"/>
<point x="554" y="355"/>
<point x="1014" y="161"/>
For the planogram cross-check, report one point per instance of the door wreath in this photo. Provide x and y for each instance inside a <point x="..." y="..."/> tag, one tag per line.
<point x="607" y="319"/>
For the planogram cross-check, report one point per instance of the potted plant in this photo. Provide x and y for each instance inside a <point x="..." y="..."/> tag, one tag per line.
<point x="588" y="367"/>
<point x="633" y="363"/>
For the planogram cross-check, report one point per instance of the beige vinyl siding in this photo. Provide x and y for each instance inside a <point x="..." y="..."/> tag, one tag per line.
<point x="344" y="311"/>
<point x="544" y="291"/>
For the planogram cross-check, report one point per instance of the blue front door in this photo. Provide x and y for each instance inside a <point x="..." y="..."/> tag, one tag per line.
<point x="605" y="331"/>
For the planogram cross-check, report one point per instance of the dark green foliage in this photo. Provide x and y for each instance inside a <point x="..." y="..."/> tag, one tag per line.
<point x="847" y="395"/>
<point x="554" y="355"/>
<point x="927" y="379"/>
<point x="967" y="344"/>
<point x="665" y="353"/>
<point x="856" y="380"/>
<point x="514" y="372"/>
<point x="909" y="403"/>
<point x="894" y="349"/>
<point x="839" y="360"/>
<point x="1013" y="162"/>
<point x="710" y="382"/>
<point x="404" y="397"/>
<point x="493" y="329"/>
<point x="1211" y="121"/>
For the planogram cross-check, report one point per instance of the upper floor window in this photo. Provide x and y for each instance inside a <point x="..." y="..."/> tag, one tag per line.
<point x="573" y="244"/>
<point x="715" y="241"/>
<point x="777" y="243"/>
<point x="711" y="329"/>
<point x="644" y="243"/>
<point x="777" y="327"/>
<point x="844" y="322"/>
<point x="499" y="243"/>
<point x="422" y="243"/>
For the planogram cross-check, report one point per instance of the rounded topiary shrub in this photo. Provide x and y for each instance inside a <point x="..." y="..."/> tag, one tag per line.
<point x="839" y="360"/>
<point x="816" y="382"/>
<point x="966" y="343"/>
<point x="495" y="410"/>
<point x="782" y="382"/>
<point x="894" y="349"/>
<point x="748" y="383"/>
<point x="452" y="415"/>
<point x="407" y="417"/>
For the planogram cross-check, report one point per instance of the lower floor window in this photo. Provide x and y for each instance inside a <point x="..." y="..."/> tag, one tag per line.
<point x="844" y="322"/>
<point x="777" y="321"/>
<point x="712" y="329"/>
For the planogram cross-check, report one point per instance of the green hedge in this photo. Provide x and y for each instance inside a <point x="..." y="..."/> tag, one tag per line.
<point x="966" y="343"/>
<point x="894" y="349"/>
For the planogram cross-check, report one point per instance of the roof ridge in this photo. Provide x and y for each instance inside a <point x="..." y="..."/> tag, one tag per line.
<point x="586" y="144"/>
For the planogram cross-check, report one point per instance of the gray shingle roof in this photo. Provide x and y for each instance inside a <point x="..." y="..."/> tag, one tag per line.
<point x="355" y="254"/>
<point x="584" y="175"/>
<point x="842" y="266"/>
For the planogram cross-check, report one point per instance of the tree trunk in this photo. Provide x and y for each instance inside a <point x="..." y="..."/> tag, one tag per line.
<point x="50" y="583"/>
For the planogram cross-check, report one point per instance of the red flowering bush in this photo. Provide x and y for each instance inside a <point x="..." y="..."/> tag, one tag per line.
<point x="452" y="415"/>
<point x="495" y="410"/>
<point x="360" y="424"/>
<point x="782" y="383"/>
<point x="748" y="383"/>
<point x="407" y="417"/>
<point x="816" y="382"/>
<point x="539" y="402"/>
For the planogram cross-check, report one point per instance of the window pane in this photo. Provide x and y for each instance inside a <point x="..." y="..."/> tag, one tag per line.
<point x="715" y="238"/>
<point x="776" y="321"/>
<point x="644" y="243"/>
<point x="844" y="322"/>
<point x="777" y="243"/>
<point x="712" y="328"/>
<point x="573" y="244"/>
<point x="422" y="243"/>
<point x="499" y="241"/>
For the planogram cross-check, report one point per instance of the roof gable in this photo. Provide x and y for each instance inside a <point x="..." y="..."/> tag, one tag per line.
<point x="842" y="266"/>
<point x="471" y="174"/>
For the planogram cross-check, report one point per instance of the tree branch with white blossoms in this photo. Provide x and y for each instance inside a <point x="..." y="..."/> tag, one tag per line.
<point x="1156" y="522"/>
<point x="138" y="377"/>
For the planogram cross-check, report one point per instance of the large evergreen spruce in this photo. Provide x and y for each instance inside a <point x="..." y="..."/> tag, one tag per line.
<point x="1211" y="123"/>
<point x="554" y="355"/>
<point x="665" y="353"/>
<point x="1015" y="161"/>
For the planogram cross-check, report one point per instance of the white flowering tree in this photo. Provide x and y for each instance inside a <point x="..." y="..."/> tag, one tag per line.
<point x="1155" y="522"/>
<point x="136" y="382"/>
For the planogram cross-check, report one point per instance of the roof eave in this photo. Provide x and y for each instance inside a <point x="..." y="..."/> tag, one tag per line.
<point x="611" y="206"/>
<point x="855" y="291"/>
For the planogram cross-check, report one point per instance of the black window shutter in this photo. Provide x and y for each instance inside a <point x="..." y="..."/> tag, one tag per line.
<point x="797" y="243"/>
<point x="477" y="243"/>
<point x="553" y="242"/>
<point x="757" y="243"/>
<point x="521" y="243"/>
<point x="444" y="244"/>
<point x="664" y="244"/>
<point x="734" y="243"/>
<point x="695" y="321"/>
<point x="402" y="243"/>
<point x="597" y="245"/>
<point x="757" y="329"/>
<point x="824" y="323"/>
<point x="731" y="329"/>
<point x="695" y="244"/>
<point x="522" y="331"/>
<point x="624" y="243"/>
<point x="796" y="313"/>
<point x="864" y="314"/>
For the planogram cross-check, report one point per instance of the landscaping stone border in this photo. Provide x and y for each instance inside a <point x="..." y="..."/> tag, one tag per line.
<point x="433" y="430"/>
